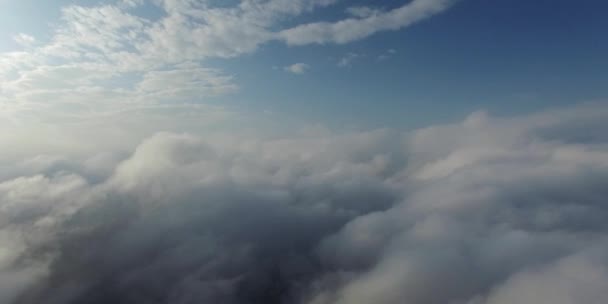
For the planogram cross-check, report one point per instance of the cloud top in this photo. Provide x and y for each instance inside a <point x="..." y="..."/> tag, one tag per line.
<point x="489" y="210"/>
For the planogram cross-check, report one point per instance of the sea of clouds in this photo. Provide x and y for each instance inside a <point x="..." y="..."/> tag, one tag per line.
<point x="489" y="210"/>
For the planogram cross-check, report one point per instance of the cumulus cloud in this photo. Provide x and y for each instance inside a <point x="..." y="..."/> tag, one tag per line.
<point x="489" y="210"/>
<point x="297" y="68"/>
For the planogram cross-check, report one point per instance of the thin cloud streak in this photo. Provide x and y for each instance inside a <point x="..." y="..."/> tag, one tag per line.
<point x="93" y="48"/>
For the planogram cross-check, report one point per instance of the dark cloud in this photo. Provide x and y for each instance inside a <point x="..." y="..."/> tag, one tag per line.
<point x="487" y="211"/>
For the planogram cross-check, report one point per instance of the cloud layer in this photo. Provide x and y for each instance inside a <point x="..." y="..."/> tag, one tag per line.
<point x="485" y="211"/>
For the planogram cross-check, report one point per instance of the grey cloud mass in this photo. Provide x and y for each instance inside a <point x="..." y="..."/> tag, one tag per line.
<point x="486" y="211"/>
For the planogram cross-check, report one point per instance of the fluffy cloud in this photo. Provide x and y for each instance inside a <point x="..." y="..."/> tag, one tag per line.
<point x="297" y="68"/>
<point x="579" y="278"/>
<point x="489" y="210"/>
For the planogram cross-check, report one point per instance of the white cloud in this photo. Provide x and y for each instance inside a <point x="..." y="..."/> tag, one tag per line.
<point x="100" y="52"/>
<point x="297" y="68"/>
<point x="186" y="83"/>
<point x="516" y="207"/>
<point x="580" y="278"/>
<point x="352" y="29"/>
<point x="348" y="59"/>
<point x="130" y="3"/>
<point x="24" y="39"/>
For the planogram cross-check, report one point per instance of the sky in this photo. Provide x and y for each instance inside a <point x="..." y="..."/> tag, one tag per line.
<point x="303" y="152"/>
<point x="399" y="64"/>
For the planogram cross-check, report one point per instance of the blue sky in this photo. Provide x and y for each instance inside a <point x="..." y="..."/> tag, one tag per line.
<point x="450" y="59"/>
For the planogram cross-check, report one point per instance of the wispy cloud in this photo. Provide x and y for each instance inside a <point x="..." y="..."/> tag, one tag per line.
<point x="363" y="11"/>
<point x="348" y="60"/>
<point x="297" y="68"/>
<point x="93" y="48"/>
<point x="184" y="83"/>
<point x="352" y="29"/>
<point x="24" y="39"/>
<point x="386" y="55"/>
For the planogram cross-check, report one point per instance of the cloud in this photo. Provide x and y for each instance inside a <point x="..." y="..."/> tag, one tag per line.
<point x="297" y="68"/>
<point x="184" y="83"/>
<point x="97" y="207"/>
<point x="24" y="39"/>
<point x="348" y="59"/>
<point x="578" y="278"/>
<point x="184" y="184"/>
<point x="130" y="3"/>
<point x="363" y="11"/>
<point x="351" y="29"/>
<point x="388" y="54"/>
<point x="489" y="210"/>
